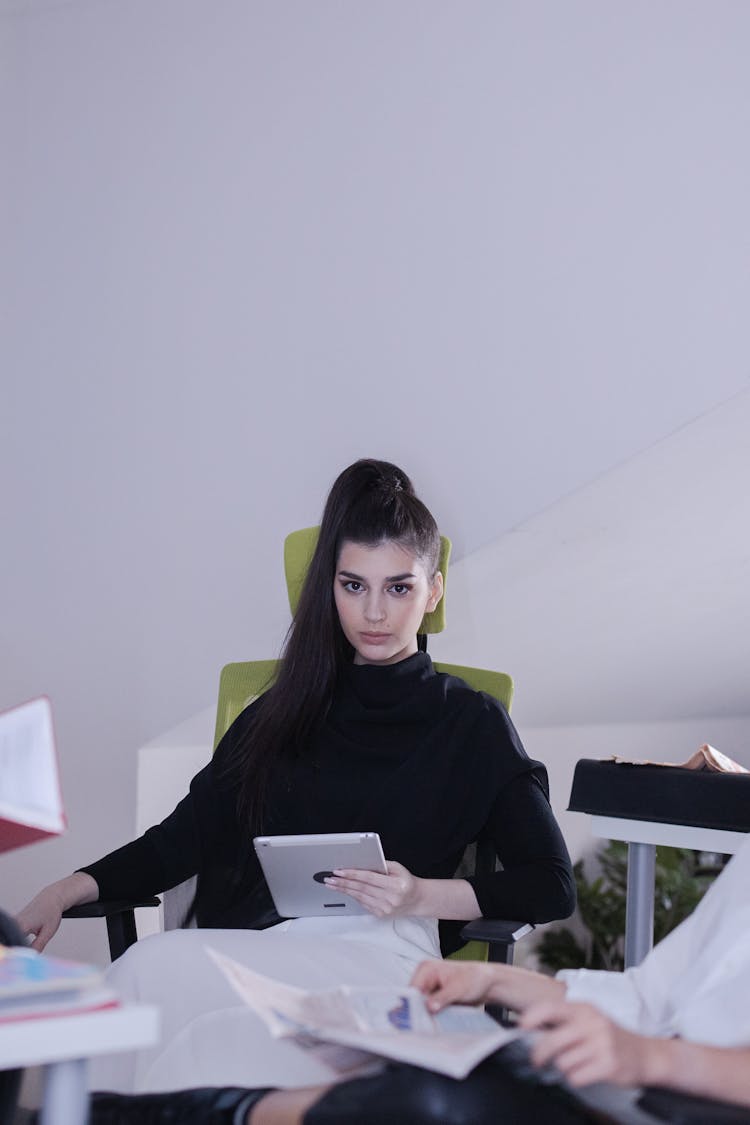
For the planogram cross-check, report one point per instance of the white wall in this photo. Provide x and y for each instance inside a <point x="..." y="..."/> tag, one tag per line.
<point x="244" y="243"/>
<point x="626" y="600"/>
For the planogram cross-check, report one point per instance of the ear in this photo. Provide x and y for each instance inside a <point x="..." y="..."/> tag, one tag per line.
<point x="436" y="592"/>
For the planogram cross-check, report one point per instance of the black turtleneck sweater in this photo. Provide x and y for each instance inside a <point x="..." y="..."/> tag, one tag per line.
<point x="405" y="751"/>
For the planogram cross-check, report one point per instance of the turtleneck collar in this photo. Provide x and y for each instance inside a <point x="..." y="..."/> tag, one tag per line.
<point x="383" y="685"/>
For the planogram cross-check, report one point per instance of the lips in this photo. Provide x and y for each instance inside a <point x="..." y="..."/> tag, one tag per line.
<point x="374" y="638"/>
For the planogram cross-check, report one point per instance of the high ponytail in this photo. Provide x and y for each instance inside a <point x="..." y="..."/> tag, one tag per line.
<point x="369" y="502"/>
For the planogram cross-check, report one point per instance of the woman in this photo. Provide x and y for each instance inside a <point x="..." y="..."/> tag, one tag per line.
<point x="357" y="733"/>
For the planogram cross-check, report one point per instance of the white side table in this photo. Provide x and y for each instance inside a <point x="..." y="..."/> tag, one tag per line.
<point x="63" y="1045"/>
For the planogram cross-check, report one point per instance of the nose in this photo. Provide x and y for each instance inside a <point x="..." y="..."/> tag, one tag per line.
<point x="374" y="608"/>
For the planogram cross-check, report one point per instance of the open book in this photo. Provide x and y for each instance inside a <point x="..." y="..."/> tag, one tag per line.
<point x="387" y="1021"/>
<point x="705" y="758"/>
<point x="30" y="798"/>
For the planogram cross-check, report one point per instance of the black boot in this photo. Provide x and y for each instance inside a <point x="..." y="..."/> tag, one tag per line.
<point x="207" y="1105"/>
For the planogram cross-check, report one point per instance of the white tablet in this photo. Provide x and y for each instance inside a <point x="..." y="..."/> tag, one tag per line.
<point x="295" y="867"/>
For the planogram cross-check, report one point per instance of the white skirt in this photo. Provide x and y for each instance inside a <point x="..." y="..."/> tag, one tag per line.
<point x="209" y="1038"/>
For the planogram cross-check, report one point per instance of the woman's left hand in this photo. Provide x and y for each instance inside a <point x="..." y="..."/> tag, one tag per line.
<point x="385" y="896"/>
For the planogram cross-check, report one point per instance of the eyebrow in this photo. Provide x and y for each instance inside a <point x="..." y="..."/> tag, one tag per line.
<point x="358" y="577"/>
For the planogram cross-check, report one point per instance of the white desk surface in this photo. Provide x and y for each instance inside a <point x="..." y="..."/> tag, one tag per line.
<point x="33" y="1042"/>
<point x="672" y="835"/>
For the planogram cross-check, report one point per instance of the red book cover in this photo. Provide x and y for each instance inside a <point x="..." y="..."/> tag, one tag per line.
<point x="31" y="805"/>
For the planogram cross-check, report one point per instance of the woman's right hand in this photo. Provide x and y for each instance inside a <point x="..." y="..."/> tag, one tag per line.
<point x="41" y="917"/>
<point x="481" y="982"/>
<point x="454" y="982"/>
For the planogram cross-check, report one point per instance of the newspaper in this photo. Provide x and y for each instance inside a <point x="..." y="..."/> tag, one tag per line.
<point x="387" y="1022"/>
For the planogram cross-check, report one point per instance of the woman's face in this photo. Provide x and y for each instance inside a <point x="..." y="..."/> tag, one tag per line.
<point x="382" y="594"/>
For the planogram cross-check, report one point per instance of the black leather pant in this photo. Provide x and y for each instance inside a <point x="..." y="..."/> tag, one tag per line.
<point x="407" y="1095"/>
<point x="503" y="1090"/>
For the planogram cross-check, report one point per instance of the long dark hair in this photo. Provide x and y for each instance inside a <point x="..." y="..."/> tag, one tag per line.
<point x="370" y="501"/>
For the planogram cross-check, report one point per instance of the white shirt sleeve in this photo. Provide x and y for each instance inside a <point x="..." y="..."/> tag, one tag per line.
<point x="681" y="987"/>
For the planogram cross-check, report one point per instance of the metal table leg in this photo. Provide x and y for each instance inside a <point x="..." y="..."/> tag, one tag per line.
<point x="66" y="1098"/>
<point x="639" y="908"/>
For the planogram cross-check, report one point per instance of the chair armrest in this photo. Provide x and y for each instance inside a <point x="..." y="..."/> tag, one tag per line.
<point x="120" y="916"/>
<point x="502" y="931"/>
<point x="103" y="908"/>
<point x="501" y="935"/>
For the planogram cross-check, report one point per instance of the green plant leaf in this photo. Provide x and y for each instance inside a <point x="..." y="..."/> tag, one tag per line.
<point x="680" y="881"/>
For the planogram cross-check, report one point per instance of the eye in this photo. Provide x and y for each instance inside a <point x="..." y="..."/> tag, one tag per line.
<point x="400" y="589"/>
<point x="352" y="586"/>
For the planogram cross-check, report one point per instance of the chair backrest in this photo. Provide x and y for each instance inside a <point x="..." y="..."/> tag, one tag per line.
<point x="241" y="683"/>
<point x="497" y="684"/>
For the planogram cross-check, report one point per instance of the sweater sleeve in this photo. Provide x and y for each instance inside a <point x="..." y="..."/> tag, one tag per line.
<point x="162" y="857"/>
<point x="536" y="883"/>
<point x="203" y="825"/>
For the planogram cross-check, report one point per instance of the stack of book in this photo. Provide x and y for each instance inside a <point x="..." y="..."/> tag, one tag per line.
<point x="33" y="984"/>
